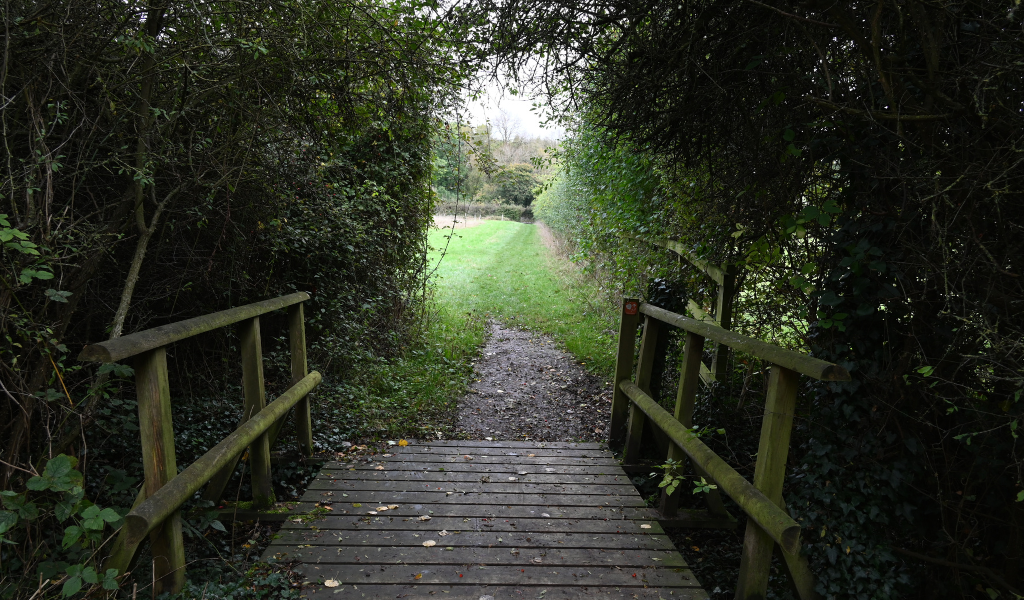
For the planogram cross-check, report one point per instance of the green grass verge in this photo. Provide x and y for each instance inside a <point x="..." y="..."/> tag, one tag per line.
<point x="497" y="270"/>
<point x="502" y="270"/>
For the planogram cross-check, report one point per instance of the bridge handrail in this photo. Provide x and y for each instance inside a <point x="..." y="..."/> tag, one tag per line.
<point x="783" y="529"/>
<point x="137" y="343"/>
<point x="761" y="499"/>
<point x="792" y="360"/>
<point x="156" y="509"/>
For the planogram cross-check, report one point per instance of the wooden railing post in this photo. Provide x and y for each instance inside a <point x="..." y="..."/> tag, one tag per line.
<point x="156" y="430"/>
<point x="644" y="368"/>
<point x="689" y="374"/>
<point x="297" y="343"/>
<point x="769" y="476"/>
<point x="623" y="368"/>
<point x="723" y="315"/>
<point x="255" y="400"/>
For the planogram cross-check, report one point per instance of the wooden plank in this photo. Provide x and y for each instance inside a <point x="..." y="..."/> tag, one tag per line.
<point x="502" y="575"/>
<point x="624" y="558"/>
<point x="769" y="477"/>
<point x="461" y="450"/>
<point x="150" y="339"/>
<point x="796" y="361"/>
<point x="473" y="592"/>
<point x="463" y="511"/>
<point x="475" y="487"/>
<point x="505" y="444"/>
<point x="444" y="460"/>
<point x="460" y="476"/>
<point x="156" y="431"/>
<point x="528" y="538"/>
<point x="468" y="467"/>
<point x="442" y="497"/>
<point x="630" y="318"/>
<point x="452" y="524"/>
<point x="499" y="539"/>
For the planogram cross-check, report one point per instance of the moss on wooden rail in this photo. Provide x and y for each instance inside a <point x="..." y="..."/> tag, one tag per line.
<point x="158" y="507"/>
<point x="136" y="343"/>
<point x="772" y="519"/>
<point x="794" y="361"/>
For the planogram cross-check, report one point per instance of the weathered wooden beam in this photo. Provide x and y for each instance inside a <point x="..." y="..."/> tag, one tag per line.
<point x="769" y="477"/>
<point x="297" y="345"/>
<point x="156" y="431"/>
<point x="255" y="401"/>
<point x="644" y="368"/>
<point x="165" y="502"/>
<point x="136" y="343"/>
<point x="628" y="322"/>
<point x="723" y="315"/>
<point x="716" y="273"/>
<point x="686" y="394"/>
<point x="772" y="519"/>
<point x="789" y="359"/>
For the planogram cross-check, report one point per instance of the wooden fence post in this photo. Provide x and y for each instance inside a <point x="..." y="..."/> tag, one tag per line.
<point x="689" y="375"/>
<point x="297" y="343"/>
<point x="623" y="368"/>
<point x="644" y="368"/>
<point x="255" y="400"/>
<point x="769" y="476"/>
<point x="156" y="430"/>
<point x="723" y="314"/>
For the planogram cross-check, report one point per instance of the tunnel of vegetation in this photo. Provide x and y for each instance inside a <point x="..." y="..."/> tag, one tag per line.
<point x="164" y="160"/>
<point x="860" y="163"/>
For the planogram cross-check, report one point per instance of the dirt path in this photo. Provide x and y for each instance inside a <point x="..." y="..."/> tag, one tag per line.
<point x="528" y="389"/>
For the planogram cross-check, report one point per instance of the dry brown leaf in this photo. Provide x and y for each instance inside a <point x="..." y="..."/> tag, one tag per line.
<point x="332" y="583"/>
<point x="430" y="543"/>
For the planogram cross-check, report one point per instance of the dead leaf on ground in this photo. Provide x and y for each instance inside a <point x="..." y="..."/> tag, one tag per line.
<point x="424" y="517"/>
<point x="430" y="543"/>
<point x="645" y="526"/>
<point x="332" y="583"/>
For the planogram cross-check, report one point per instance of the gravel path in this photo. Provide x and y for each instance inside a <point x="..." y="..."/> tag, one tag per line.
<point x="528" y="389"/>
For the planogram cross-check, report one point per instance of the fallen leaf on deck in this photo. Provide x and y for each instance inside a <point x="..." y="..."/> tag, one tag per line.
<point x="537" y="560"/>
<point x="373" y="512"/>
<point x="392" y="506"/>
<point x="356" y="505"/>
<point x="424" y="517"/>
<point x="545" y="515"/>
<point x="380" y="468"/>
<point x="332" y="583"/>
<point x="382" y="508"/>
<point x="645" y="526"/>
<point x="443" y="532"/>
<point x="429" y="543"/>
<point x="530" y="455"/>
<point x="468" y="457"/>
<point x="403" y="443"/>
<point x="418" y="576"/>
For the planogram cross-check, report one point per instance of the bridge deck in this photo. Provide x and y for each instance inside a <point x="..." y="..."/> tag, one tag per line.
<point x="483" y="519"/>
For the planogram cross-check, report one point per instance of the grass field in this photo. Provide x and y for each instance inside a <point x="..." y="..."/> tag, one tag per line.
<point x="493" y="270"/>
<point x="502" y="270"/>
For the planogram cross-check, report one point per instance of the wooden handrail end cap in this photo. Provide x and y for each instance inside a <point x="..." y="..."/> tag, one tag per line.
<point x="791" y="540"/>
<point x="95" y="353"/>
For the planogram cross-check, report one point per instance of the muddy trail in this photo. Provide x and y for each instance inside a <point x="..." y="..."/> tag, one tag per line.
<point x="525" y="388"/>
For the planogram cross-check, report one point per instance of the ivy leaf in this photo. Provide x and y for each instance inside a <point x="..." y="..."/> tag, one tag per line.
<point x="58" y="296"/>
<point x="8" y="519"/>
<point x="71" y="535"/>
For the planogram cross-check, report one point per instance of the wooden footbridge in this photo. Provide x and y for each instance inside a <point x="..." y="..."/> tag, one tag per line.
<point x="474" y="519"/>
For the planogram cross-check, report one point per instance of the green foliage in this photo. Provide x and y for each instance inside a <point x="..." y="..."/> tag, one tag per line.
<point x="516" y="184"/>
<point x="67" y="531"/>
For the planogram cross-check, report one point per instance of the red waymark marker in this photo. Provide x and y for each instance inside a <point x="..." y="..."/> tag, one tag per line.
<point x="630" y="308"/>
